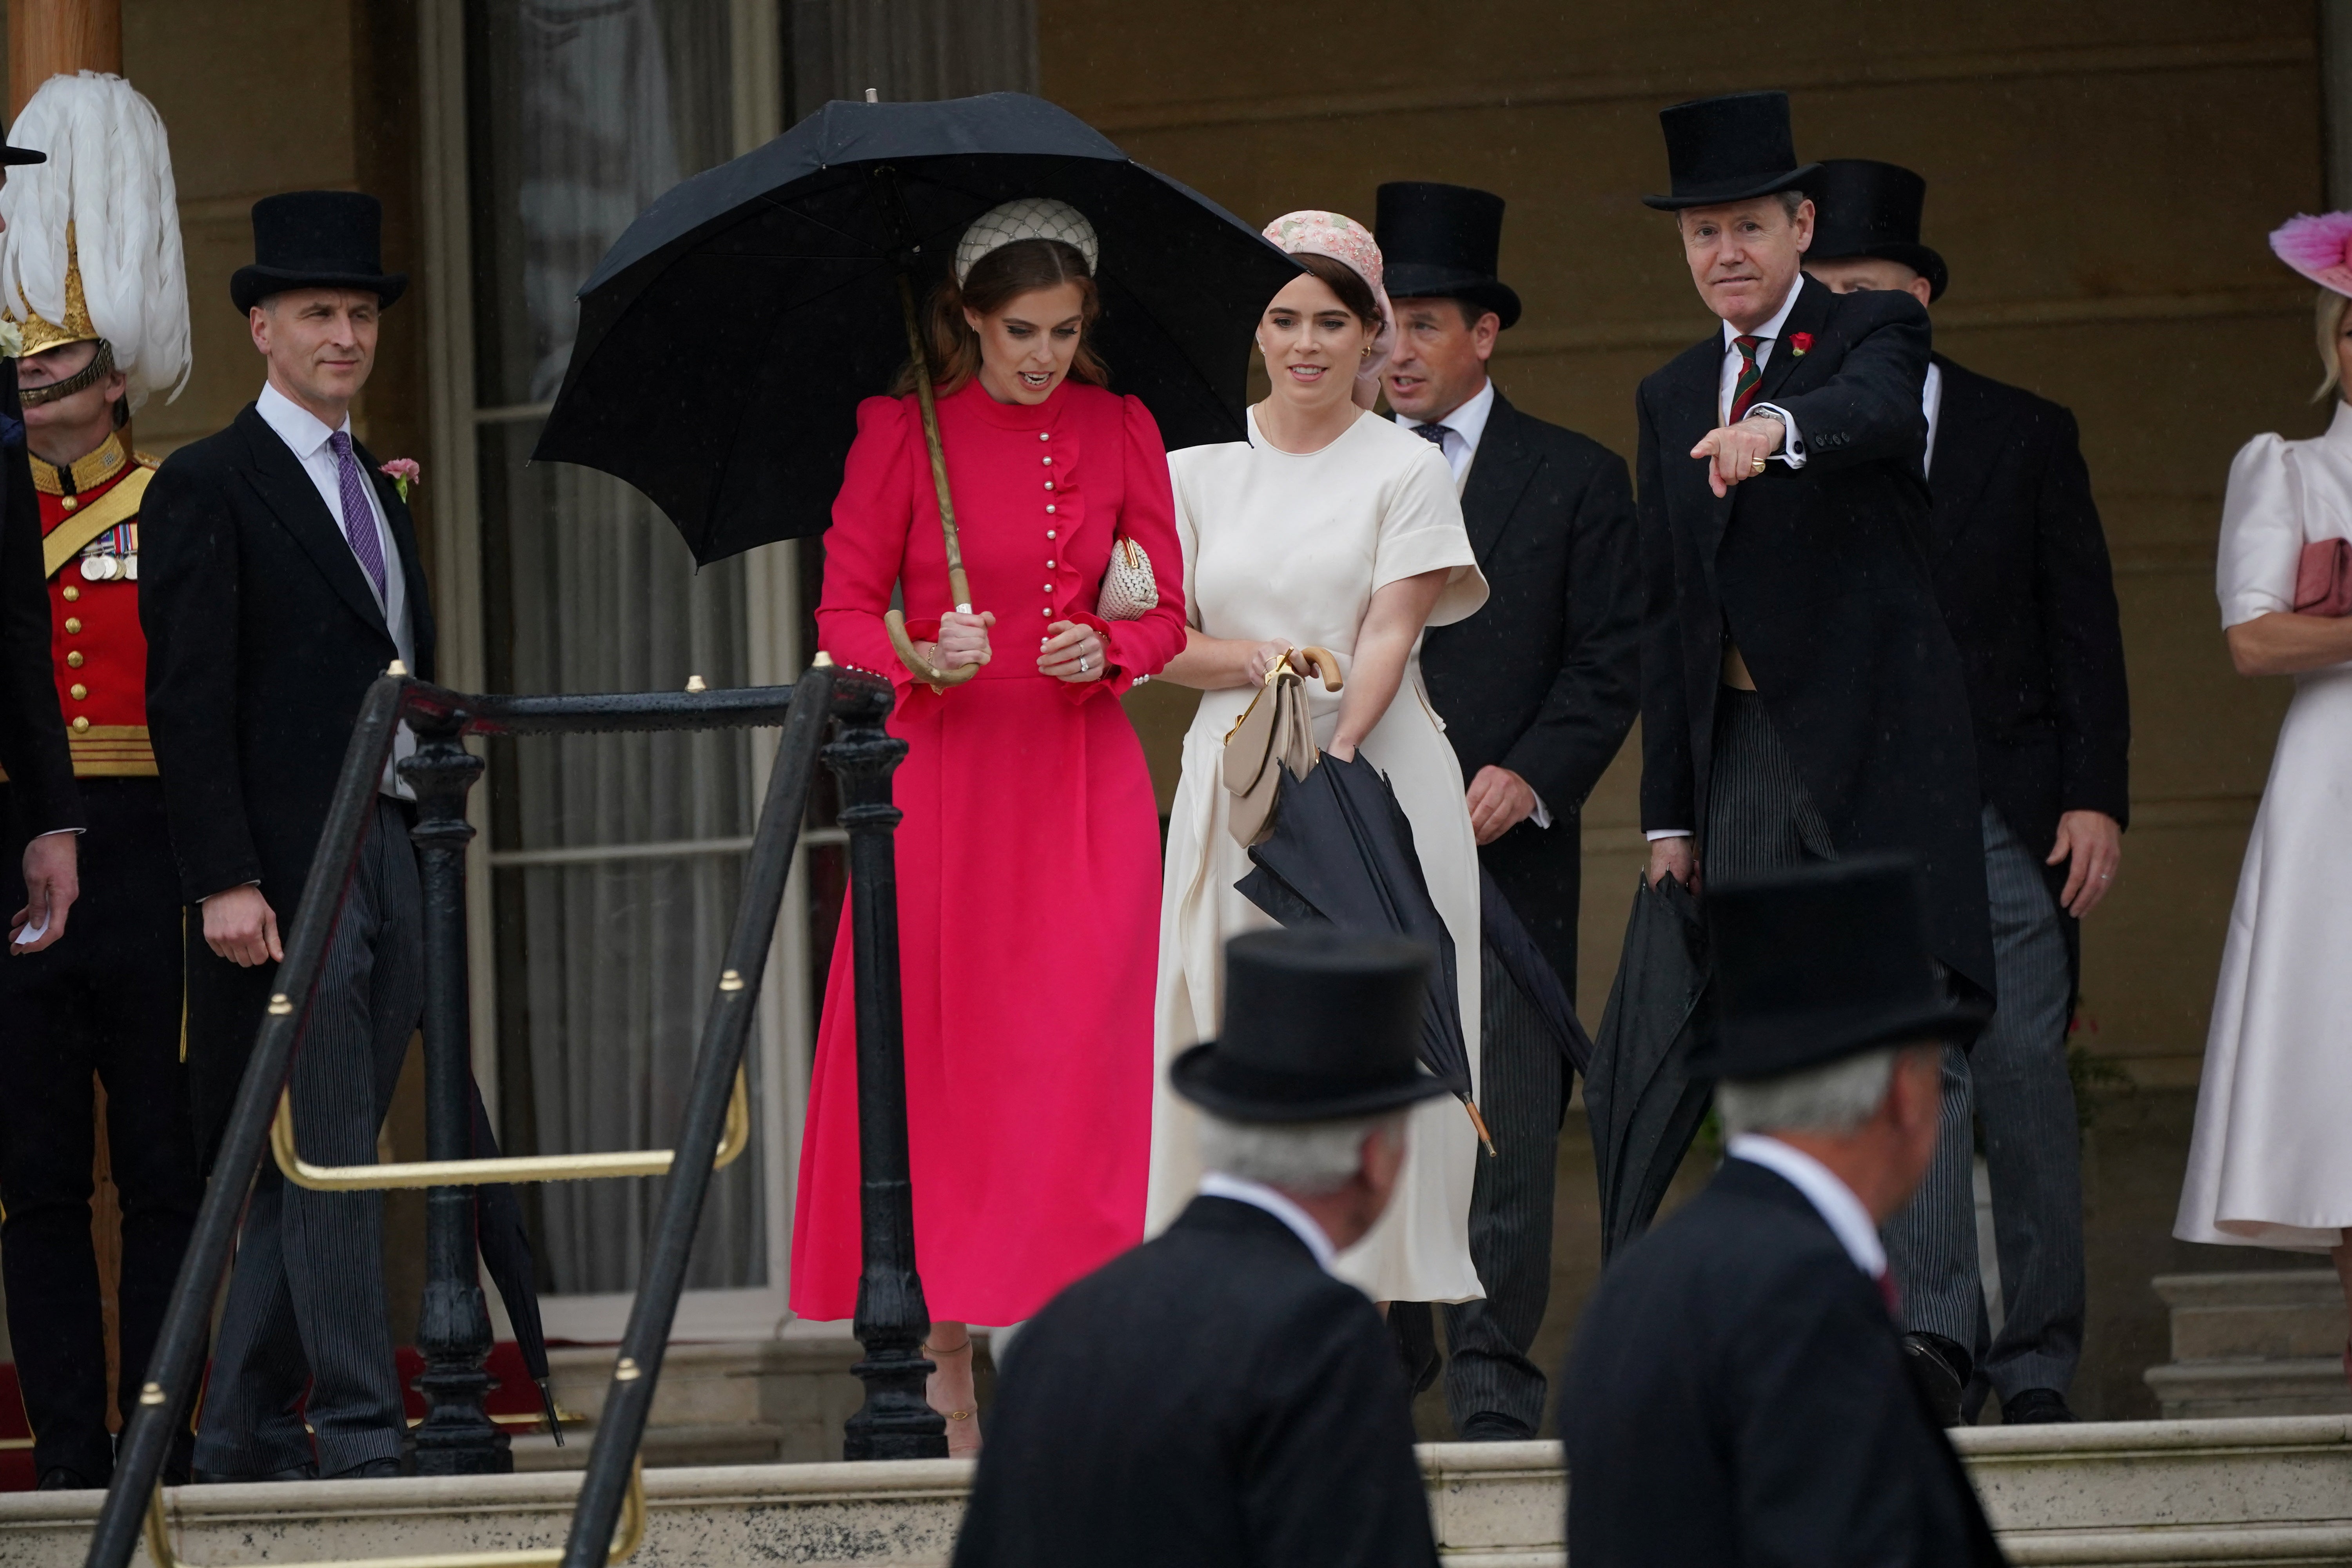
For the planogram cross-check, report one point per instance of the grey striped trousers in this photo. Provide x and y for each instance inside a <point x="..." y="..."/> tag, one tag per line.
<point x="1492" y="1390"/>
<point x="2016" y="1081"/>
<point x="306" y="1306"/>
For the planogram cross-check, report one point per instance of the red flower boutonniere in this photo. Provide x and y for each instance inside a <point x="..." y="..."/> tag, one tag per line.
<point x="1800" y="342"/>
<point x="402" y="472"/>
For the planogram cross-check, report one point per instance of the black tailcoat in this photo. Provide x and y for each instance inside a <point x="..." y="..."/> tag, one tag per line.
<point x="32" y="730"/>
<point x="1211" y="1399"/>
<point x="2021" y="568"/>
<point x="1736" y="1394"/>
<point x="1821" y="576"/>
<point x="262" y="639"/>
<point x="1545" y="679"/>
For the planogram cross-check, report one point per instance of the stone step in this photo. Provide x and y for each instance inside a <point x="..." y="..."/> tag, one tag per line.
<point x="723" y="1403"/>
<point x="2268" y="1342"/>
<point x="2121" y="1495"/>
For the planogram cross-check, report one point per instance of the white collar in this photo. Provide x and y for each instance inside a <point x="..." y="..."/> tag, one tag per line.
<point x="1469" y="421"/>
<point x="1832" y="1198"/>
<point x="1771" y="331"/>
<point x="296" y="425"/>
<point x="1257" y="1195"/>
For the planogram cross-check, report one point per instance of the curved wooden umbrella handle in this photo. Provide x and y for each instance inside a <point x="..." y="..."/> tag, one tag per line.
<point x="1321" y="661"/>
<point x="924" y="671"/>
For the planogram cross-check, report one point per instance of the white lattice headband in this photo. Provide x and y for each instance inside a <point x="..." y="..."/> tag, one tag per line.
<point x="1032" y="217"/>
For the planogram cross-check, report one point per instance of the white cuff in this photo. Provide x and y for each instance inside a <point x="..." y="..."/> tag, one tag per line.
<point x="1792" y="444"/>
<point x="54" y="831"/>
<point x="1655" y="834"/>
<point x="1542" y="816"/>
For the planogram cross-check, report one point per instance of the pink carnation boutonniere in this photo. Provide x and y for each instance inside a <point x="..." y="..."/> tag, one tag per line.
<point x="402" y="472"/>
<point x="1801" y="343"/>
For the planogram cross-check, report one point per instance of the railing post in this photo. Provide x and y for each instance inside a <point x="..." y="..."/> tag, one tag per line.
<point x="897" y="1421"/>
<point x="452" y="1326"/>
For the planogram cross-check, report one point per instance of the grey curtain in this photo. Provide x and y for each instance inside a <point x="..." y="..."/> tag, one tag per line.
<point x="591" y="109"/>
<point x="912" y="48"/>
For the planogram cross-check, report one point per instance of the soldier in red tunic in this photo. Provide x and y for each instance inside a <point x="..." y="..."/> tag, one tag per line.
<point x="105" y="999"/>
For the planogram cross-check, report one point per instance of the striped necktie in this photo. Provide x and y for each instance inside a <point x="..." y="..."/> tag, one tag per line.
<point x="1743" y="391"/>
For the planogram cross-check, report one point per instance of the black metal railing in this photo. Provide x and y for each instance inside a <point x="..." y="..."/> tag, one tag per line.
<point x="457" y="1436"/>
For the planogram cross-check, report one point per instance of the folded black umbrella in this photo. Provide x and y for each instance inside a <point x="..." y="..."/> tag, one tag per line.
<point x="1506" y="937"/>
<point x="1341" y="853"/>
<point x="726" y="337"/>
<point x="505" y="1243"/>
<point x="1644" y="1105"/>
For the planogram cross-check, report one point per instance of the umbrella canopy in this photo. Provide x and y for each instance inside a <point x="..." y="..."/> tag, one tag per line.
<point x="1639" y="1095"/>
<point x="1507" y="937"/>
<point x="1341" y="852"/>
<point x="726" y="337"/>
<point x="505" y="1243"/>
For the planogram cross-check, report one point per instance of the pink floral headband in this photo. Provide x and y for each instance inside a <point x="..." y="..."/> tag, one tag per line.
<point x="1350" y="243"/>
<point x="2319" y="247"/>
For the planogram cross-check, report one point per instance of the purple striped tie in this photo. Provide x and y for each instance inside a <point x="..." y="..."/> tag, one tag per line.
<point x="359" y="518"/>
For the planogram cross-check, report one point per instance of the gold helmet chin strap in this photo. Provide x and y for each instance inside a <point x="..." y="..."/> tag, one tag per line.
<point x="101" y="366"/>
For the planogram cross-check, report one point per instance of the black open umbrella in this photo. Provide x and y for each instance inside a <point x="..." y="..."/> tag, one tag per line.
<point x="1341" y="852"/>
<point x="1639" y="1095"/>
<point x="726" y="338"/>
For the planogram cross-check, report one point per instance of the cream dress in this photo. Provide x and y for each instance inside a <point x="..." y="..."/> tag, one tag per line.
<point x="2270" y="1163"/>
<point x="1278" y="545"/>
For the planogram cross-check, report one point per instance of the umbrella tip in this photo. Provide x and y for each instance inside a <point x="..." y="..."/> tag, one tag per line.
<point x="872" y="96"/>
<point x="694" y="684"/>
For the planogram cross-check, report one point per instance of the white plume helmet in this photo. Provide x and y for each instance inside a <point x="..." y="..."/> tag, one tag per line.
<point x="109" y="176"/>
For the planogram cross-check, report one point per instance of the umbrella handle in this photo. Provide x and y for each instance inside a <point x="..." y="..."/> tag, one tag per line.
<point x="1319" y="661"/>
<point x="938" y="680"/>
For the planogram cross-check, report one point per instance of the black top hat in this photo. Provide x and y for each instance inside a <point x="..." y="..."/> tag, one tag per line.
<point x="1821" y="963"/>
<point x="1863" y="207"/>
<point x="1442" y="240"/>
<point x="1319" y="1025"/>
<point x="1728" y="149"/>
<point x="315" y="239"/>
<point x="20" y="156"/>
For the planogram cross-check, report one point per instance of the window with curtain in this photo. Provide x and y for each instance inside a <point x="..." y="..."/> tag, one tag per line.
<point x="617" y="860"/>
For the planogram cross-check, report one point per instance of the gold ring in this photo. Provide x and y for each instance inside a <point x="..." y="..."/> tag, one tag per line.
<point x="1757" y="467"/>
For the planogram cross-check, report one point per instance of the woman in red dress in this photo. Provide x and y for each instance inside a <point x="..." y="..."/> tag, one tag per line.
<point x="1028" y="860"/>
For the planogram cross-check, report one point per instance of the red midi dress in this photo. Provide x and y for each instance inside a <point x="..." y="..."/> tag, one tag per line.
<point x="1030" y="829"/>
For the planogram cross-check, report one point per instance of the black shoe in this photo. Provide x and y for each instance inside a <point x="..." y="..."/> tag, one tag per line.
<point x="1488" y="1428"/>
<point x="58" y="1479"/>
<point x="1941" y="1369"/>
<point x="369" y="1470"/>
<point x="2036" y="1408"/>
<point x="305" y="1471"/>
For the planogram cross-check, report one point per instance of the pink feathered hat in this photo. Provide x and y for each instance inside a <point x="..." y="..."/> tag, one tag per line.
<point x="1345" y="241"/>
<point x="2319" y="247"/>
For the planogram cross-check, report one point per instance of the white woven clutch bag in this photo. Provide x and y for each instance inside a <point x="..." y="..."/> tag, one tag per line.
<point x="1128" y="588"/>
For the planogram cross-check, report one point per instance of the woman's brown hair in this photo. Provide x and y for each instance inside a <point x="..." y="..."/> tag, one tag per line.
<point x="995" y="280"/>
<point x="1346" y="282"/>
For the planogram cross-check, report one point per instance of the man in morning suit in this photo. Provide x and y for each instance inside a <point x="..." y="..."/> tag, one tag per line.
<point x="1217" y="1397"/>
<point x="2020" y="566"/>
<point x="281" y="578"/>
<point x="1536" y="692"/>
<point x="104" y="1003"/>
<point x="1737" y="1392"/>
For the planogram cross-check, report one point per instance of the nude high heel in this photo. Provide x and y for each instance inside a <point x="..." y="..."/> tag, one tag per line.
<point x="963" y="1425"/>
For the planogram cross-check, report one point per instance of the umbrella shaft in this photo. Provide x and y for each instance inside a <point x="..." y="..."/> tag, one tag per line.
<point x="922" y="364"/>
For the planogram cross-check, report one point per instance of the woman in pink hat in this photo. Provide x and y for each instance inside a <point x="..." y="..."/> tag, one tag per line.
<point x="2270" y="1162"/>
<point x="1327" y="528"/>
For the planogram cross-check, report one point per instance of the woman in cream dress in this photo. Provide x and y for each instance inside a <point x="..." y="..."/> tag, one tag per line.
<point x="2270" y="1163"/>
<point x="1328" y="527"/>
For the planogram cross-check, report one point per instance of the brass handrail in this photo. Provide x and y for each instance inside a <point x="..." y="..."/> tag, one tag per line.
<point x="628" y="1534"/>
<point x="506" y="1167"/>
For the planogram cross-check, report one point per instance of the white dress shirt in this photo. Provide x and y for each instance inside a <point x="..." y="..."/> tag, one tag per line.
<point x="1793" y="448"/>
<point x="306" y="437"/>
<point x="1832" y="1198"/>
<point x="1464" y="428"/>
<point x="1931" y="403"/>
<point x="1258" y="1196"/>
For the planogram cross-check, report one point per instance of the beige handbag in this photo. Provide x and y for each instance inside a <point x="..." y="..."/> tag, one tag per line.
<point x="1274" y="732"/>
<point x="1128" y="588"/>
